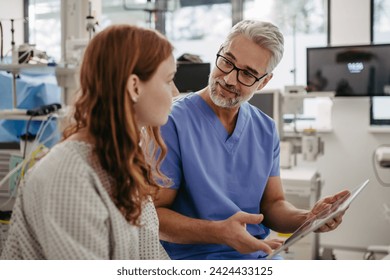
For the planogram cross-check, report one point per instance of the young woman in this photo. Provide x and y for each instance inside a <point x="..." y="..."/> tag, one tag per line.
<point x="91" y="196"/>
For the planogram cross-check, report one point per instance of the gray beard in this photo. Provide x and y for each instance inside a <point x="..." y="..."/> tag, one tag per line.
<point x="224" y="102"/>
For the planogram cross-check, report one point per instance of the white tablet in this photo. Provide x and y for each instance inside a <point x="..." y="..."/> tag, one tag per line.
<point x="320" y="219"/>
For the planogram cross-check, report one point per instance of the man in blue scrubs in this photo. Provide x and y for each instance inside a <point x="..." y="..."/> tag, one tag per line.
<point x="223" y="158"/>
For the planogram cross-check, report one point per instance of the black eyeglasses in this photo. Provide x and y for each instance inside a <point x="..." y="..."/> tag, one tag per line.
<point x="243" y="76"/>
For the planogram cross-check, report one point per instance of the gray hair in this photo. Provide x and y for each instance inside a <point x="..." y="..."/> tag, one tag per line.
<point x="264" y="34"/>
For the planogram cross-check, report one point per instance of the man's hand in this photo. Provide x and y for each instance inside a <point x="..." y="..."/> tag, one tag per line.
<point x="327" y="204"/>
<point x="234" y="234"/>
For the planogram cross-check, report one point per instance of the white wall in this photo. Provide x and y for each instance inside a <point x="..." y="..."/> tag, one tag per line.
<point x="350" y="22"/>
<point x="347" y="161"/>
<point x="12" y="10"/>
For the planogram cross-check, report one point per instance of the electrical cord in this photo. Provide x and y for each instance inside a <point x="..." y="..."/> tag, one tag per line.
<point x="1" y="43"/>
<point x="36" y="144"/>
<point x="41" y="111"/>
<point x="41" y="132"/>
<point x="25" y="56"/>
<point x="383" y="183"/>
<point x="40" y="128"/>
<point x="10" y="173"/>
<point x="26" y="136"/>
<point x="29" y="156"/>
<point x="24" y="162"/>
<point x="36" y="152"/>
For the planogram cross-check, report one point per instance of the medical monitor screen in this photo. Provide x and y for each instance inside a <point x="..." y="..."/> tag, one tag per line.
<point x="265" y="102"/>
<point x="268" y="101"/>
<point x="350" y="70"/>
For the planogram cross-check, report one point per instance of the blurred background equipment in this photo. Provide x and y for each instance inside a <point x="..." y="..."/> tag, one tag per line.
<point x="192" y="73"/>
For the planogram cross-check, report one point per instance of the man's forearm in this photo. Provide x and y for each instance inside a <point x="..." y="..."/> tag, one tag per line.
<point x="284" y="217"/>
<point x="177" y="228"/>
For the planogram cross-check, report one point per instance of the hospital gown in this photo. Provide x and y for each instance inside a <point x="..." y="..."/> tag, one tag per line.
<point x="64" y="211"/>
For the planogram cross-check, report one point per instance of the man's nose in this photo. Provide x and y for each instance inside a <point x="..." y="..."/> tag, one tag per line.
<point x="231" y="78"/>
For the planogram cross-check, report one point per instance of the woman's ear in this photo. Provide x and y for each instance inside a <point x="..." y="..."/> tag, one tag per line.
<point x="133" y="87"/>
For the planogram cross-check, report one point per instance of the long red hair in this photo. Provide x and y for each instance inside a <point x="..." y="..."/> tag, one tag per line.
<point x="104" y="108"/>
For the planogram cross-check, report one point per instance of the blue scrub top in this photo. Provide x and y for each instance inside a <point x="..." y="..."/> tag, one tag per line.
<point x="217" y="174"/>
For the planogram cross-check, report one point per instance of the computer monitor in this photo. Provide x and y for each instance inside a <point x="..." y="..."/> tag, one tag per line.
<point x="269" y="102"/>
<point x="362" y="70"/>
<point x="191" y="77"/>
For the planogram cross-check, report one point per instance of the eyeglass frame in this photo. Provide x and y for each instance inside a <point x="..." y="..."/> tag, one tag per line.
<point x="238" y="70"/>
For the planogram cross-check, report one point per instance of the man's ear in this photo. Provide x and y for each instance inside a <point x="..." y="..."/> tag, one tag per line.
<point x="133" y="87"/>
<point x="265" y="81"/>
